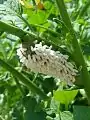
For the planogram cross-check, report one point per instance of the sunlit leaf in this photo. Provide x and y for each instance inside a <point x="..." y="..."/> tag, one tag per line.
<point x="65" y="96"/>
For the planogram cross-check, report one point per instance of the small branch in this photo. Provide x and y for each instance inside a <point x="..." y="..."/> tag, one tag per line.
<point x="25" y="21"/>
<point x="49" y="30"/>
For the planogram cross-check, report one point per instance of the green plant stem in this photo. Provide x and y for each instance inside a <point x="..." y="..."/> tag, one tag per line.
<point x="23" y="35"/>
<point x="49" y="30"/>
<point x="11" y="29"/>
<point x="63" y="12"/>
<point x="25" y="21"/>
<point x="31" y="86"/>
<point x="78" y="56"/>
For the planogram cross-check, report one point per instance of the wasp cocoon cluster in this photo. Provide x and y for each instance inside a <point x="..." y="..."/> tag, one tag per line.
<point x="42" y="59"/>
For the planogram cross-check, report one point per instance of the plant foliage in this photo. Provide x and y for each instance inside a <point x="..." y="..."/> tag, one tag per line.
<point x="25" y="95"/>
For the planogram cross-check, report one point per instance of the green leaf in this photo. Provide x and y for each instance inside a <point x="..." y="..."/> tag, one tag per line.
<point x="31" y="113"/>
<point x="40" y="15"/>
<point x="66" y="115"/>
<point x="67" y="1"/>
<point x="81" y="112"/>
<point x="2" y="50"/>
<point x="65" y="97"/>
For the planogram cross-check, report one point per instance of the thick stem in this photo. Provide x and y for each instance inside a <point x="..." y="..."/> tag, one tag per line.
<point x="11" y="29"/>
<point x="79" y="59"/>
<point x="23" y="35"/>
<point x="31" y="86"/>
